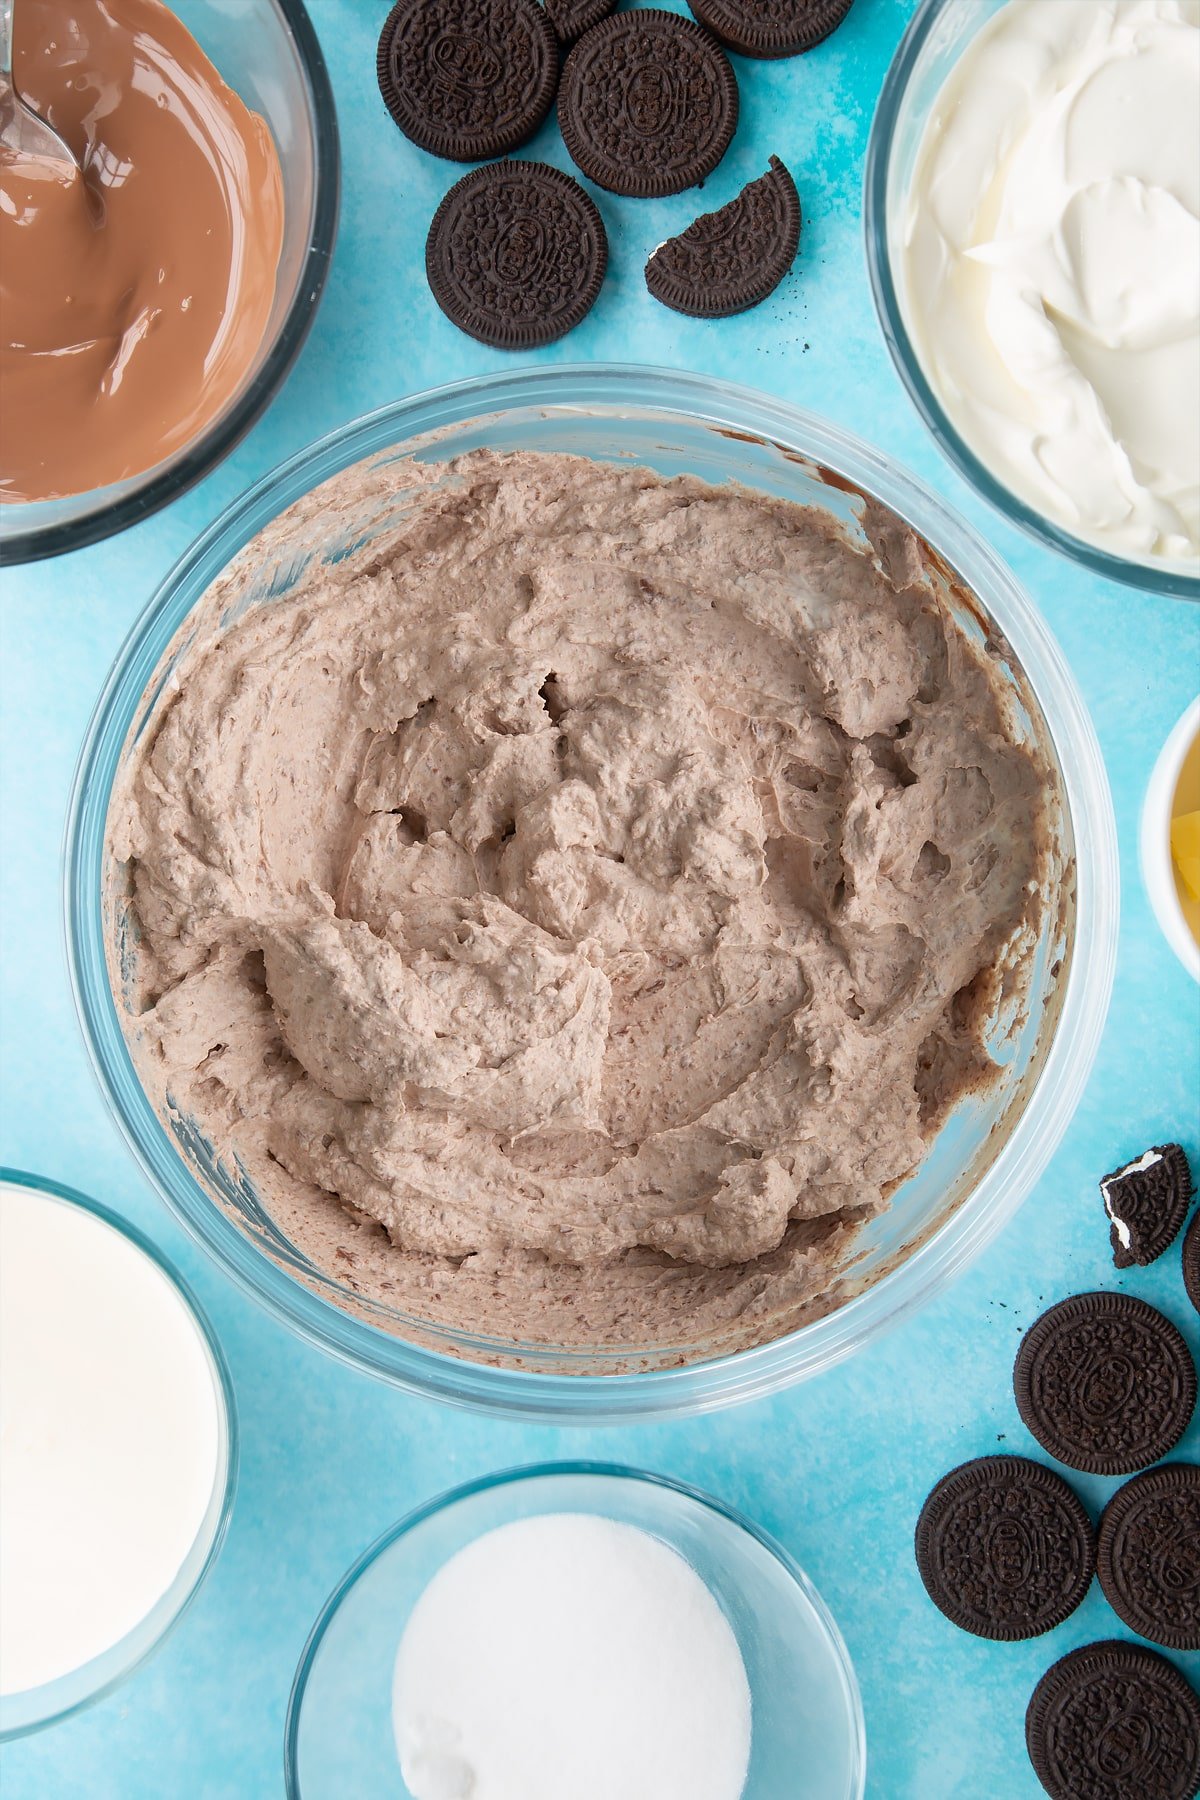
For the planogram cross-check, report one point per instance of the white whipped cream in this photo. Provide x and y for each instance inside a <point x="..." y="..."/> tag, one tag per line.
<point x="1050" y="271"/>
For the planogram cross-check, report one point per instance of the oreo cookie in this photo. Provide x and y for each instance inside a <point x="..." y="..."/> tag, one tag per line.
<point x="571" y="18"/>
<point x="1115" y="1721"/>
<point x="516" y="254"/>
<point x="730" y="260"/>
<point x="467" y="79"/>
<point x="770" y="28"/>
<point x="647" y="104"/>
<point x="1149" y="1555"/>
<point x="1147" y="1202"/>
<point x="1004" y="1548"/>
<point x="1105" y="1383"/>
<point x="1191" y="1262"/>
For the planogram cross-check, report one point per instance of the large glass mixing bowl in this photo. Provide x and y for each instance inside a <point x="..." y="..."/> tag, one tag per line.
<point x="268" y="53"/>
<point x="994" y="1146"/>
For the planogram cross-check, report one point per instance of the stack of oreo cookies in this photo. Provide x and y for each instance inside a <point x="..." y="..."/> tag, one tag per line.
<point x="1006" y="1549"/>
<point x="647" y="105"/>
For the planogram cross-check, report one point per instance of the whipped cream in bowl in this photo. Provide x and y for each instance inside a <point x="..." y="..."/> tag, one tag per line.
<point x="1033" y="224"/>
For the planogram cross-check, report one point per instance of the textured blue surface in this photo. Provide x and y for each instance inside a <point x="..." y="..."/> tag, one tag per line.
<point x="836" y="1469"/>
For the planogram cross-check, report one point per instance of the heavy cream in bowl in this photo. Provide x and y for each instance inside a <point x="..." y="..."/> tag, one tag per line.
<point x="115" y="1452"/>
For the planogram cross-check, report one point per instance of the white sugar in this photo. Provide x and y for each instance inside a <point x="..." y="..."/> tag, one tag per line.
<point x="570" y="1656"/>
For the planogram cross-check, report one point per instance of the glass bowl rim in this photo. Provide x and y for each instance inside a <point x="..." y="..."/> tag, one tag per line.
<point x="534" y="1472"/>
<point x="1165" y="579"/>
<point x="38" y="542"/>
<point x="66" y="1707"/>
<point x="735" y="1376"/>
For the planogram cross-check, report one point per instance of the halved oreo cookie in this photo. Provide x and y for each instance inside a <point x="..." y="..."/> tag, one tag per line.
<point x="769" y="28"/>
<point x="571" y="18"/>
<point x="467" y="79"/>
<point x="647" y="104"/>
<point x="1191" y="1262"/>
<point x="1115" y="1721"/>
<point x="516" y="254"/>
<point x="730" y="260"/>
<point x="1105" y="1383"/>
<point x="1147" y="1202"/>
<point x="1149" y="1555"/>
<point x="1004" y="1548"/>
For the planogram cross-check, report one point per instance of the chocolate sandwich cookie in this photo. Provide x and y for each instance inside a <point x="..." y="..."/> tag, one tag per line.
<point x="1191" y="1261"/>
<point x="1115" y="1721"/>
<point x="1004" y="1547"/>
<point x="467" y="79"/>
<point x="770" y="28"/>
<point x="730" y="260"/>
<point x="571" y="18"/>
<point x="516" y="254"/>
<point x="1105" y="1383"/>
<point x="1147" y="1202"/>
<point x="647" y="103"/>
<point x="1149" y="1555"/>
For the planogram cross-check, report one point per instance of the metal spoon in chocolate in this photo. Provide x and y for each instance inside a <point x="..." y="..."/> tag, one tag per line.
<point x="24" y="137"/>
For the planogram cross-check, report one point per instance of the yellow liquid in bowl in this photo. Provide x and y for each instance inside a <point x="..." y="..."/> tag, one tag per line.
<point x="1185" y="843"/>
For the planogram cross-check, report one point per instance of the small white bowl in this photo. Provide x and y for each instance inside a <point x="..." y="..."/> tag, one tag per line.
<point x="1158" y="868"/>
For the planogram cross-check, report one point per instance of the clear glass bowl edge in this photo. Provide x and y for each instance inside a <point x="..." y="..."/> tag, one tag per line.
<point x="746" y="1374"/>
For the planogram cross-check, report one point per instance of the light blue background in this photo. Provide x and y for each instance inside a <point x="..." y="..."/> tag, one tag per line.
<point x="836" y="1469"/>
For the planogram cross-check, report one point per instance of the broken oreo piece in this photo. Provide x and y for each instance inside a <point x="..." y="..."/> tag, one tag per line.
<point x="1149" y="1555"/>
<point x="1191" y="1262"/>
<point x="771" y="28"/>
<point x="647" y="104"/>
<point x="571" y="18"/>
<point x="1147" y="1202"/>
<point x="1005" y="1548"/>
<point x="467" y="82"/>
<point x="730" y="260"/>
<point x="1112" y="1721"/>
<point x="516" y="254"/>
<point x="1105" y="1383"/>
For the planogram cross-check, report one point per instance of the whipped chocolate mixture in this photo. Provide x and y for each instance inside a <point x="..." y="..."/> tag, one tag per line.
<point x="579" y="917"/>
<point x="133" y="298"/>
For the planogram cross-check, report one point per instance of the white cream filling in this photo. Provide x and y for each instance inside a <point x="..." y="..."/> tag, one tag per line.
<point x="1146" y="1161"/>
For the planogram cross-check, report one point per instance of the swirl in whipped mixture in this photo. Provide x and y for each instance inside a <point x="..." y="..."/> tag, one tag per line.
<point x="1051" y="264"/>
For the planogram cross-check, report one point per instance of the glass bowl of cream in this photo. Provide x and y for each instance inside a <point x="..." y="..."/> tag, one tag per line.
<point x="190" y="289"/>
<point x="1033" y="242"/>
<point x="658" y="1349"/>
<point x="576" y="1628"/>
<point x="120" y="1450"/>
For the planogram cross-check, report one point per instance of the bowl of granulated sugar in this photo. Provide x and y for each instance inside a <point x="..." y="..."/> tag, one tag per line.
<point x="576" y="1630"/>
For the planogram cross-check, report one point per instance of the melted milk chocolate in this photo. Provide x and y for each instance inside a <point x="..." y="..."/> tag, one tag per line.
<point x="133" y="302"/>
